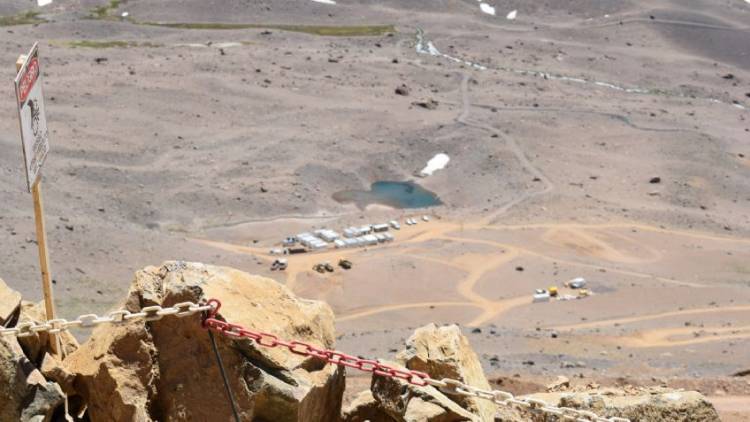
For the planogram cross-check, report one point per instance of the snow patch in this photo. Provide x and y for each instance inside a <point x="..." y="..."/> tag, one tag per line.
<point x="486" y="8"/>
<point x="438" y="162"/>
<point x="226" y="44"/>
<point x="427" y="47"/>
<point x="512" y="15"/>
<point x="325" y="1"/>
<point x="672" y="396"/>
<point x="41" y="3"/>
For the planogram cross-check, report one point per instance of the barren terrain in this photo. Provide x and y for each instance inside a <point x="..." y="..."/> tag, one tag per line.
<point x="211" y="130"/>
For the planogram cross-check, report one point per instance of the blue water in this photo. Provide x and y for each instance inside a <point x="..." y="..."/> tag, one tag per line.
<point x="392" y="194"/>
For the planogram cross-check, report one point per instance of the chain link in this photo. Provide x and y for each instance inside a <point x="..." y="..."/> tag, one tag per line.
<point x="421" y="379"/>
<point x="149" y="313"/>
<point x="234" y="331"/>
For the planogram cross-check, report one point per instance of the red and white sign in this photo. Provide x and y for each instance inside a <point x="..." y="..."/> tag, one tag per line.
<point x="30" y="100"/>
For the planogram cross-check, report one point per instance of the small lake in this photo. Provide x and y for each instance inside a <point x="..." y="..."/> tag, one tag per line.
<point x="392" y="194"/>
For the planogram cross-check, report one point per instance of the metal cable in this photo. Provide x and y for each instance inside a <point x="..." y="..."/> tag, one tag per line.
<point x="224" y="376"/>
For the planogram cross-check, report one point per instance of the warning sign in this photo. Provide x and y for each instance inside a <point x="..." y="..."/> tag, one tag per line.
<point x="34" y="134"/>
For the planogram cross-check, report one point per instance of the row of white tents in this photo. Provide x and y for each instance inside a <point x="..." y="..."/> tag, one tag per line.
<point x="367" y="235"/>
<point x="366" y="240"/>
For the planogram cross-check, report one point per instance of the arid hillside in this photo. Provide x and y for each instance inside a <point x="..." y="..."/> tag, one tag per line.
<point x="608" y="140"/>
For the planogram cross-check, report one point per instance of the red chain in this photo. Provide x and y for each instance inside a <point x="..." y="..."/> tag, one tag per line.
<point x="235" y="331"/>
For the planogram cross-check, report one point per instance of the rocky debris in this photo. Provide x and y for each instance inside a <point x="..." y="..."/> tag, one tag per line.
<point x="652" y="404"/>
<point x="402" y="90"/>
<point x="428" y="104"/>
<point x="162" y="370"/>
<point x="25" y="395"/>
<point x="10" y="301"/>
<point x="443" y="352"/>
<point x="562" y="383"/>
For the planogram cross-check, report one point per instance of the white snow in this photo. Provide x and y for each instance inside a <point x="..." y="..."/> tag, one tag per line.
<point x="438" y="162"/>
<point x="125" y="14"/>
<point x="486" y="8"/>
<point x="429" y="48"/>
<point x="672" y="396"/>
<point x="325" y="1"/>
<point x="432" y="50"/>
<point x="512" y="15"/>
<point x="41" y="3"/>
<point x="226" y="44"/>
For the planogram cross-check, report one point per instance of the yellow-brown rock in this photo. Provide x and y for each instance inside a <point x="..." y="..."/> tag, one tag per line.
<point x="10" y="300"/>
<point x="165" y="370"/>
<point x="443" y="352"/>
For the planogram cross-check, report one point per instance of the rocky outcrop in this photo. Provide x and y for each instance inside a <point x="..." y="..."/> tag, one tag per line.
<point x="364" y="408"/>
<point x="166" y="370"/>
<point x="10" y="301"/>
<point x="25" y="395"/>
<point x="443" y="352"/>
<point x="639" y="405"/>
<point x="36" y="347"/>
<point x="408" y="403"/>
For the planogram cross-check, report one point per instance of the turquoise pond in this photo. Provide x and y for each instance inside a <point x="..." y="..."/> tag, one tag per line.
<point x="392" y="194"/>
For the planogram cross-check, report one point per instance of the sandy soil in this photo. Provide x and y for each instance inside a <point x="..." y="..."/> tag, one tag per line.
<point x="214" y="143"/>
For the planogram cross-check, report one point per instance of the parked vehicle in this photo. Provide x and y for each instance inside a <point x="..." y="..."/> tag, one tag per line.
<point x="279" y="264"/>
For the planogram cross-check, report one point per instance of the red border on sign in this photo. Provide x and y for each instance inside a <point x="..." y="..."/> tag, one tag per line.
<point x="28" y="79"/>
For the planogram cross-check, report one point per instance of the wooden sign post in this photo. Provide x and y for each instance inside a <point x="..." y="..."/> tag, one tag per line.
<point x="35" y="142"/>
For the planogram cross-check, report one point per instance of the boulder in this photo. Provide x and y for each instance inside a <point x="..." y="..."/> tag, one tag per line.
<point x="443" y="352"/>
<point x="408" y="403"/>
<point x="37" y="346"/>
<point x="10" y="300"/>
<point x="166" y="370"/>
<point x="652" y="404"/>
<point x="364" y="408"/>
<point x="54" y="370"/>
<point x="25" y="395"/>
<point x="402" y="90"/>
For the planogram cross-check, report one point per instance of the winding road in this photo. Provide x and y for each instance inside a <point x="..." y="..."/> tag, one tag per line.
<point x="598" y="237"/>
